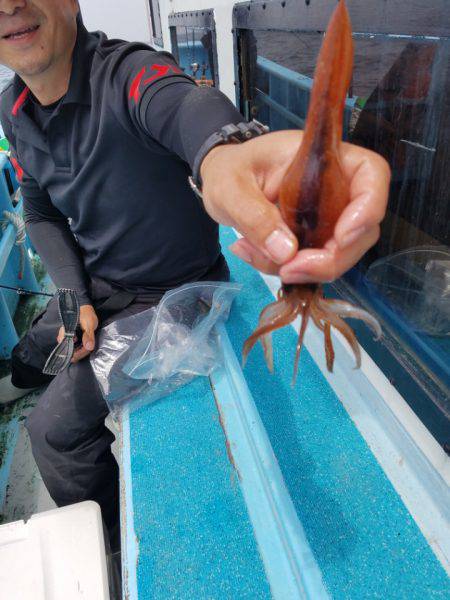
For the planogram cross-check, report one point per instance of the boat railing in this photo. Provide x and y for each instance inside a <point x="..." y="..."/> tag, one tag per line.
<point x="12" y="272"/>
<point x="193" y="53"/>
<point x="283" y="96"/>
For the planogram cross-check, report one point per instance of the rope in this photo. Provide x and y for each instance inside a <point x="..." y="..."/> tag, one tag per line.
<point x="21" y="236"/>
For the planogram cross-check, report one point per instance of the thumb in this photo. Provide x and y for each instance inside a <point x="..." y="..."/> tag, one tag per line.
<point x="60" y="337"/>
<point x="89" y="340"/>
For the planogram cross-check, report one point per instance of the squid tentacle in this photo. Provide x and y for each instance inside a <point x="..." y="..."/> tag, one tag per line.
<point x="317" y="316"/>
<point x="277" y="322"/>
<point x="348" y="311"/>
<point x="301" y="335"/>
<point x="309" y="302"/>
<point x="329" y="349"/>
<point x="266" y="340"/>
<point x="336" y="322"/>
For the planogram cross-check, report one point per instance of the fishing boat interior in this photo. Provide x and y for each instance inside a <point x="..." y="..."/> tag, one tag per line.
<point x="235" y="483"/>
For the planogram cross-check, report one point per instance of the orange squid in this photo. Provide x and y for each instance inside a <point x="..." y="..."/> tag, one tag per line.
<point x="312" y="196"/>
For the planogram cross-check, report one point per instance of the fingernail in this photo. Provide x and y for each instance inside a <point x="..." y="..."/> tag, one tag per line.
<point x="241" y="253"/>
<point x="349" y="238"/>
<point x="298" y="278"/>
<point x="280" y="246"/>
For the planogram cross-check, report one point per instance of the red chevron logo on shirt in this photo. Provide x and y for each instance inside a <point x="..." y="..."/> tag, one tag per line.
<point x="159" y="71"/>
<point x="17" y="168"/>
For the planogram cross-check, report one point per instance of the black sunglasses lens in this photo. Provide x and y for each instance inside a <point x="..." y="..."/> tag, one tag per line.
<point x="60" y="358"/>
<point x="69" y="309"/>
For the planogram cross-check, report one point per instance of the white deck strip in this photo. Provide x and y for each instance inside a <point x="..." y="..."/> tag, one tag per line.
<point x="411" y="458"/>
<point x="130" y="549"/>
<point x="290" y="565"/>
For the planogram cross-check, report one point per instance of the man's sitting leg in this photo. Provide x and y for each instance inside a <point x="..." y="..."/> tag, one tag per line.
<point x="29" y="356"/>
<point x="72" y="445"/>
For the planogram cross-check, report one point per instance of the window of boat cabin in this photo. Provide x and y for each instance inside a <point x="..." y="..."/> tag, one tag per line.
<point x="398" y="105"/>
<point x="193" y="40"/>
<point x="155" y="21"/>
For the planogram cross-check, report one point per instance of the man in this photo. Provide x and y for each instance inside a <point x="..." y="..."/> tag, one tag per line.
<point x="104" y="135"/>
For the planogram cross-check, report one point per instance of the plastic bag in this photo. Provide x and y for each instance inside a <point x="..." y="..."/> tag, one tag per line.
<point x="416" y="282"/>
<point x="148" y="355"/>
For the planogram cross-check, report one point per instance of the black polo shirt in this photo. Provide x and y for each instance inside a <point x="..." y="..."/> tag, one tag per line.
<point x="104" y="172"/>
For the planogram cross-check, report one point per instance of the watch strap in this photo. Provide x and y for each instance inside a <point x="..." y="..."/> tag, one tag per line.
<point x="229" y="134"/>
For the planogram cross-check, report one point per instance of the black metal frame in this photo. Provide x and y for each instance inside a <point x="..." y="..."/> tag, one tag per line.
<point x="406" y="17"/>
<point x="155" y="17"/>
<point x="385" y="18"/>
<point x="196" y="18"/>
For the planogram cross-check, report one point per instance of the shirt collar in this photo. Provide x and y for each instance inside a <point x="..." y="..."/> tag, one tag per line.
<point x="79" y="91"/>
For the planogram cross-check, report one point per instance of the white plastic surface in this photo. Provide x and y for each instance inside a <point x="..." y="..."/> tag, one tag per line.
<point x="57" y="554"/>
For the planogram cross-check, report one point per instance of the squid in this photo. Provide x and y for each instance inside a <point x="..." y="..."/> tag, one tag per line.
<point x="313" y="194"/>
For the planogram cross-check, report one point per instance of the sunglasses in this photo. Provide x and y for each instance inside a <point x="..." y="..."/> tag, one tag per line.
<point x="69" y="312"/>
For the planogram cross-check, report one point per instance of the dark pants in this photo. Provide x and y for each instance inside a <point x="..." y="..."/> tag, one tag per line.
<point x="70" y="443"/>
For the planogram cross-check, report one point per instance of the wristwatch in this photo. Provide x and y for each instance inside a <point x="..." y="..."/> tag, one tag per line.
<point x="229" y="134"/>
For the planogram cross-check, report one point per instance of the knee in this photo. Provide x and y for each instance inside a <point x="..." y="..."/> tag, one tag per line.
<point x="70" y="413"/>
<point x="43" y="422"/>
<point x="50" y="430"/>
<point x="37" y="426"/>
<point x="25" y="374"/>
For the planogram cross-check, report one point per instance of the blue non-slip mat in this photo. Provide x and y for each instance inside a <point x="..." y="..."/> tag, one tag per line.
<point x="193" y="533"/>
<point x="365" y="541"/>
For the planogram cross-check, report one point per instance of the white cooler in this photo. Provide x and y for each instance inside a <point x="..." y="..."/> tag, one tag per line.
<point x="59" y="554"/>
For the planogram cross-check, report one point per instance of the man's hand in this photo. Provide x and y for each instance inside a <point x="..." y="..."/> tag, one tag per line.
<point x="240" y="189"/>
<point x="88" y="324"/>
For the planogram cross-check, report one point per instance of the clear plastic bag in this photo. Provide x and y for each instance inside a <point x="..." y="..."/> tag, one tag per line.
<point x="148" y="355"/>
<point x="416" y="282"/>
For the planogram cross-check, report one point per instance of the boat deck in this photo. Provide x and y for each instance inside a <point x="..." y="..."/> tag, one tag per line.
<point x="279" y="494"/>
<point x="194" y="535"/>
<point x="293" y="504"/>
<point x="186" y="527"/>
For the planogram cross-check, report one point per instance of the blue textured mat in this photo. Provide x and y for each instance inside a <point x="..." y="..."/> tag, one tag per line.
<point x="364" y="539"/>
<point x="195" y="540"/>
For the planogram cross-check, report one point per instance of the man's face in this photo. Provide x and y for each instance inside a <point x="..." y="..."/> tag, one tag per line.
<point x="34" y="34"/>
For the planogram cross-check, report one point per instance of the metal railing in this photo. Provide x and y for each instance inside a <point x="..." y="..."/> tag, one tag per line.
<point x="282" y="96"/>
